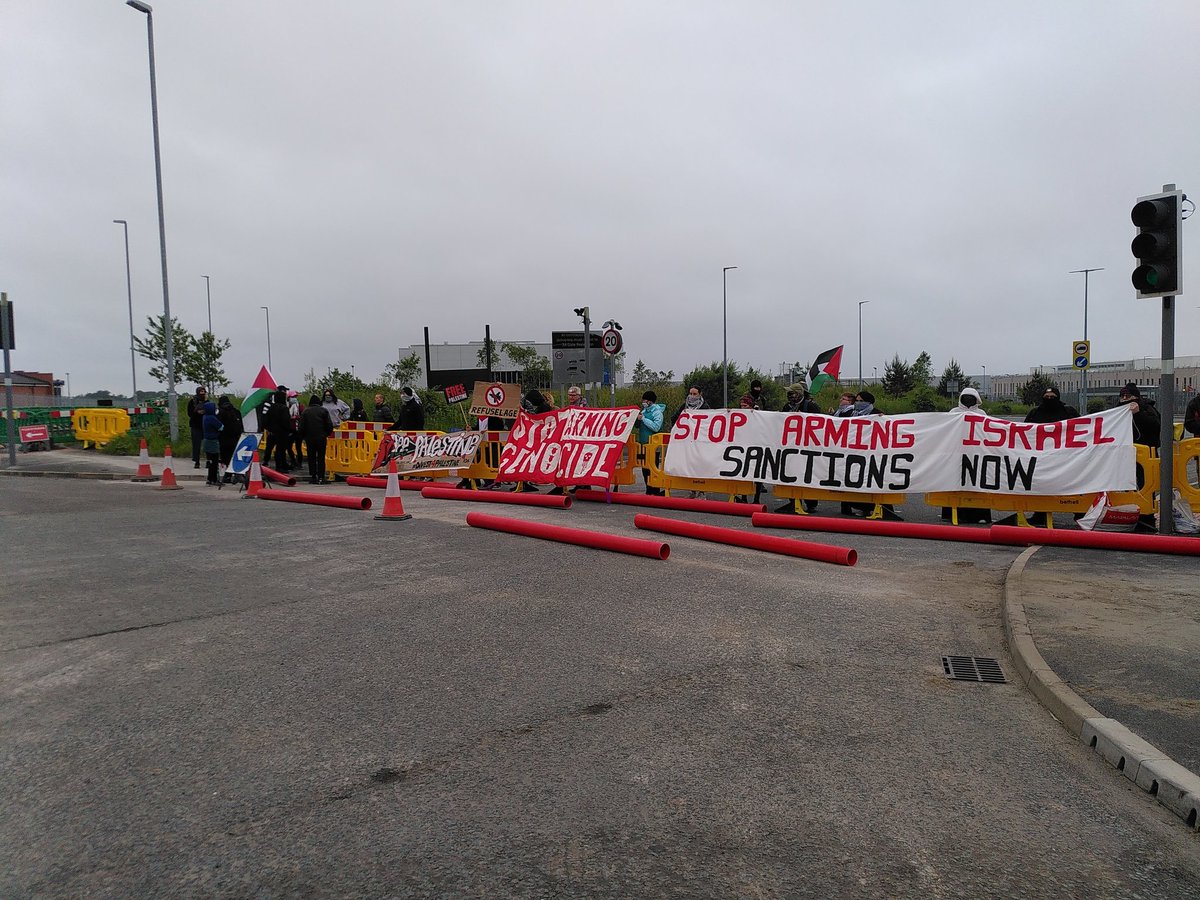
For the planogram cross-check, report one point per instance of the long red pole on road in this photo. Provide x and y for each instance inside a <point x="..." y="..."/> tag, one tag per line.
<point x="684" y="504"/>
<point x="873" y="526"/>
<point x="842" y="556"/>
<point x="315" y="499"/>
<point x="1103" y="540"/>
<point x="578" y="536"/>
<point x="558" y="501"/>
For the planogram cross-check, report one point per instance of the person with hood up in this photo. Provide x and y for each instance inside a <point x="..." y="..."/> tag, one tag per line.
<point x="1146" y="420"/>
<point x="798" y="400"/>
<point x="753" y="398"/>
<point x="336" y="408"/>
<point x="357" y="412"/>
<point x="1051" y="409"/>
<point x="968" y="401"/>
<point x="316" y="426"/>
<point x="534" y="403"/>
<point x="211" y="441"/>
<point x="412" y="413"/>
<point x="1191" y="418"/>
<point x="650" y="423"/>
<point x="195" y="414"/>
<point x="231" y="430"/>
<point x="277" y="421"/>
<point x="864" y="405"/>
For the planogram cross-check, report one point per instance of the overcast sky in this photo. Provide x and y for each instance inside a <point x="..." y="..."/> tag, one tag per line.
<point x="365" y="169"/>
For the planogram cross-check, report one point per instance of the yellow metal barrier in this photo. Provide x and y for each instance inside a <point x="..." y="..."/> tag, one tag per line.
<point x="654" y="453"/>
<point x="99" y="426"/>
<point x="1187" y="452"/>
<point x="486" y="464"/>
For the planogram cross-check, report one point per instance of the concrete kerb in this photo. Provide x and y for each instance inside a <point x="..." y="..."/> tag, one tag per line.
<point x="1175" y="787"/>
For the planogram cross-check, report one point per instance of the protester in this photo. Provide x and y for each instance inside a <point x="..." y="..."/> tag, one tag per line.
<point x="412" y="413"/>
<point x="1191" y="418"/>
<point x="383" y="412"/>
<point x="316" y="425"/>
<point x="691" y="402"/>
<point x="798" y="400"/>
<point x="864" y="404"/>
<point x="1146" y="420"/>
<point x="548" y="396"/>
<point x="575" y="396"/>
<point x="195" y="413"/>
<point x="336" y="408"/>
<point x="753" y="398"/>
<point x="210" y="427"/>
<point x="649" y="423"/>
<point x="534" y="403"/>
<point x="1051" y="409"/>
<point x="277" y="421"/>
<point x="295" y="448"/>
<point x="357" y="412"/>
<point x="231" y="431"/>
<point x="968" y="401"/>
<point x="845" y="407"/>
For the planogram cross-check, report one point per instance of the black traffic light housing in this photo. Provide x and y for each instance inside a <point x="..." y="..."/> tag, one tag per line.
<point x="1158" y="248"/>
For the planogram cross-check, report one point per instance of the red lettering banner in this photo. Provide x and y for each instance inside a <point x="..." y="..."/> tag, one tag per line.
<point x="567" y="446"/>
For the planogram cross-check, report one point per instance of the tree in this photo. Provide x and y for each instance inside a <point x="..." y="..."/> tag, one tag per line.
<point x="154" y="348"/>
<point x="922" y="369"/>
<point x="953" y="372"/>
<point x="481" y="358"/>
<point x="1032" y="390"/>
<point x="203" y="364"/>
<point x="643" y="375"/>
<point x="710" y="380"/>
<point x="898" y="377"/>
<point x="535" y="368"/>
<point x="402" y="373"/>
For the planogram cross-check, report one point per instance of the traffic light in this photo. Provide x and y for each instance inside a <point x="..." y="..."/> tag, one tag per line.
<point x="1157" y="246"/>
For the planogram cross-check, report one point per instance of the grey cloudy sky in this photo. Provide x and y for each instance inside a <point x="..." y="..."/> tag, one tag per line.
<point x="369" y="168"/>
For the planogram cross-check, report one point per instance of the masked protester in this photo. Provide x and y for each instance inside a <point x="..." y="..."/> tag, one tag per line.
<point x="649" y="423"/>
<point x="969" y="401"/>
<point x="693" y="401"/>
<point x="845" y="407"/>
<point x="1051" y="409"/>
<point x="337" y="409"/>
<point x="1146" y="420"/>
<point x="798" y="400"/>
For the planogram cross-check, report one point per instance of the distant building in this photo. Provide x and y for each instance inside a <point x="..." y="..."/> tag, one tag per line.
<point x="462" y="357"/>
<point x="34" y="388"/>
<point x="1105" y="379"/>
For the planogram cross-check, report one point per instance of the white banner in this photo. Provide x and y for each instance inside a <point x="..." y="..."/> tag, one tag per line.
<point x="919" y="452"/>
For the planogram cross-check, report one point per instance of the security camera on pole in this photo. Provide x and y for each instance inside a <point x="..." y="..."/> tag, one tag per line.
<point x="585" y="313"/>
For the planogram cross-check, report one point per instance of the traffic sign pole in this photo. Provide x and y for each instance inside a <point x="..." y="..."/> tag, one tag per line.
<point x="8" y="340"/>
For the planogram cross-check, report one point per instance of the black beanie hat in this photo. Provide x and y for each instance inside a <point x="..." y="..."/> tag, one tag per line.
<point x="867" y="396"/>
<point x="1132" y="390"/>
<point x="651" y="396"/>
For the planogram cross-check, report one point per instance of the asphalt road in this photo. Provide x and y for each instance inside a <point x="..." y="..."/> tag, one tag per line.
<point x="205" y="695"/>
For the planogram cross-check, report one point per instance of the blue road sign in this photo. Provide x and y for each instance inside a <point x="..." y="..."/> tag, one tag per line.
<point x="242" y="453"/>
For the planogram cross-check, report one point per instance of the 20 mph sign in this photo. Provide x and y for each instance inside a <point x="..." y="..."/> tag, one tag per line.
<point x="611" y="341"/>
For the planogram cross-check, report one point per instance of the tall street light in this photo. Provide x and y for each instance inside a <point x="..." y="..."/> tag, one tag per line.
<point x="1083" y="385"/>
<point x="725" y="335"/>
<point x="168" y="327"/>
<point x="129" y="290"/>
<point x="985" y="384"/>
<point x="267" y="310"/>
<point x="208" y="292"/>
<point x="860" y="306"/>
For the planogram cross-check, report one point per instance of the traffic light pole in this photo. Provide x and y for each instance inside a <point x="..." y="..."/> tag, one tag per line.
<point x="1166" y="411"/>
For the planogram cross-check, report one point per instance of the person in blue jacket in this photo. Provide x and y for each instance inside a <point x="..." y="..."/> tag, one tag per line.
<point x="650" y="422"/>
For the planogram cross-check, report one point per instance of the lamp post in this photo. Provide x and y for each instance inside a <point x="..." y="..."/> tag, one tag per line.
<point x="208" y="293"/>
<point x="1083" y="385"/>
<point x="984" y="385"/>
<point x="725" y="336"/>
<point x="267" y="310"/>
<point x="860" y="306"/>
<point x="129" y="291"/>
<point x="69" y="394"/>
<point x="875" y="374"/>
<point x="168" y="328"/>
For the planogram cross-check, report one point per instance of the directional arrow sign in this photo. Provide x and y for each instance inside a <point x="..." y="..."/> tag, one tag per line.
<point x="242" y="454"/>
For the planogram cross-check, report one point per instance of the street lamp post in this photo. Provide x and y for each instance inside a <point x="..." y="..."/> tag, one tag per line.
<point x="1083" y="385"/>
<point x="860" y="306"/>
<point x="875" y="374"/>
<point x="984" y="385"/>
<point x="208" y="294"/>
<point x="69" y="394"/>
<point x="168" y="328"/>
<point x="725" y="336"/>
<point x="129" y="291"/>
<point x="267" y="310"/>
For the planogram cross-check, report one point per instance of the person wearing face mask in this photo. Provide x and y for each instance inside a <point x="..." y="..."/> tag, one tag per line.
<point x="649" y="423"/>
<point x="693" y="401"/>
<point x="753" y="398"/>
<point x="798" y="400"/>
<point x="336" y="408"/>
<point x="412" y="413"/>
<point x="864" y="404"/>
<point x="845" y="407"/>
<point x="968" y="401"/>
<point x="1051" y="409"/>
<point x="1146" y="420"/>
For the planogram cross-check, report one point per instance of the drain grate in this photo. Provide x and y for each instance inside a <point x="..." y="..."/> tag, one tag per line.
<point x="973" y="668"/>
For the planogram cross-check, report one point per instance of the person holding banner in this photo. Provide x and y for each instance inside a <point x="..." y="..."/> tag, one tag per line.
<point x="575" y="396"/>
<point x="412" y="413"/>
<point x="650" y="422"/>
<point x="968" y="401"/>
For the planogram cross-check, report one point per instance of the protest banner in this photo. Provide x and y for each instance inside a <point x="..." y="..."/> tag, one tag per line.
<point x="567" y="446"/>
<point x="496" y="400"/>
<point x="420" y="452"/>
<point x="918" y="452"/>
<point x="455" y="393"/>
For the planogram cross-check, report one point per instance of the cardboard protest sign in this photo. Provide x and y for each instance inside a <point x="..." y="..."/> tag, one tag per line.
<point x="567" y="446"/>
<point x="919" y="452"/>
<point x="421" y="452"/>
<point x="494" y="399"/>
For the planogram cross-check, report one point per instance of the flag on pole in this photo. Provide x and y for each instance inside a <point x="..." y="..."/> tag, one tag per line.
<point x="826" y="367"/>
<point x="263" y="386"/>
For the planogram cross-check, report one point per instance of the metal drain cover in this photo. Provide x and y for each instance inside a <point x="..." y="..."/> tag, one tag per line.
<point x="973" y="668"/>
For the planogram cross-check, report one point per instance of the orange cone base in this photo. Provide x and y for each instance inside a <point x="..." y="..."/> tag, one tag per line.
<point x="399" y="518"/>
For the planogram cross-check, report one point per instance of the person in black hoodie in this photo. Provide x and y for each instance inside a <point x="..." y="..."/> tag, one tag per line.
<point x="1051" y="409"/>
<point x="278" y="425"/>
<point x="1146" y="420"/>
<point x="412" y="413"/>
<point x="231" y="431"/>
<point x="316" y="426"/>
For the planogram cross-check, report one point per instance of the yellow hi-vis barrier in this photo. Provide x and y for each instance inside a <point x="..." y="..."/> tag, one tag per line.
<point x="486" y="464"/>
<point x="99" y="426"/>
<point x="354" y="445"/>
<point x="656" y="450"/>
<point x="878" y="500"/>
<point x="1187" y="455"/>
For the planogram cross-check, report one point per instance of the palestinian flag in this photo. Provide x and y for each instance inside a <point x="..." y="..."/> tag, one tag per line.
<point x="825" y="368"/>
<point x="262" y="388"/>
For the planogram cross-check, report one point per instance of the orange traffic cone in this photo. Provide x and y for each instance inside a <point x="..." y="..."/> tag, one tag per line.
<point x="168" y="482"/>
<point x="255" y="484"/>
<point x="143" y="473"/>
<point x="393" y="506"/>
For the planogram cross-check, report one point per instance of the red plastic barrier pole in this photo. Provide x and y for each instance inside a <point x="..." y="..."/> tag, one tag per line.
<point x="873" y="526"/>
<point x="558" y="501"/>
<point x="1102" y="540"/>
<point x="598" y="539"/>
<point x="380" y="481"/>
<point x="317" y="499"/>
<point x="278" y="477"/>
<point x="842" y="556"/>
<point x="681" y="503"/>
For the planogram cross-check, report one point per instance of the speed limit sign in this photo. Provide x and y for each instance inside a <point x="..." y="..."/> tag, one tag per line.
<point x="611" y="341"/>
